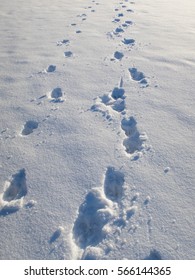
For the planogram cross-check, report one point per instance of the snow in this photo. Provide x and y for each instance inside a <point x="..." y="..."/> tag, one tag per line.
<point x="96" y="136"/>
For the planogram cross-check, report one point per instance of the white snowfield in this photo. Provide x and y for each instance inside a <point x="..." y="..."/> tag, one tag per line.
<point x="97" y="118"/>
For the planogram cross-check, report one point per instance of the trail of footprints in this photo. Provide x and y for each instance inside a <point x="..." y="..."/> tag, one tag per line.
<point x="105" y="210"/>
<point x="15" y="190"/>
<point x="134" y="142"/>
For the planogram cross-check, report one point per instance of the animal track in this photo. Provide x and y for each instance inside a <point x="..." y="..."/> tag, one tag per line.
<point x="82" y="15"/>
<point x="51" y="68"/>
<point x="29" y="127"/>
<point x="68" y="54"/>
<point x="116" y="20"/>
<point x="138" y="77"/>
<point x="118" y="92"/>
<point x="63" y="42"/>
<point x="118" y="95"/>
<point x="17" y="188"/>
<point x="118" y="55"/>
<point x="128" y="41"/>
<point x="114" y="101"/>
<point x="113" y="184"/>
<point x="129" y="22"/>
<point x="135" y="141"/>
<point x="104" y="212"/>
<point x="119" y="105"/>
<point x="56" y="95"/>
<point x="93" y="214"/>
<point x="118" y="30"/>
<point x="11" y="199"/>
<point x="124" y="25"/>
<point x="56" y="235"/>
<point x="98" y="212"/>
<point x="154" y="255"/>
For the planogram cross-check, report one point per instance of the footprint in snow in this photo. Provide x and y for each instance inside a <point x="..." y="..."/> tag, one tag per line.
<point x="135" y="143"/>
<point x="81" y="15"/>
<point x="94" y="213"/>
<point x="112" y="101"/>
<point x="11" y="200"/>
<point x="68" y="54"/>
<point x="114" y="184"/>
<point x="130" y="11"/>
<point x="119" y="105"/>
<point x="125" y="25"/>
<point x="116" y="103"/>
<point x="118" y="92"/>
<point x="154" y="255"/>
<point x="129" y="22"/>
<point x="118" y="55"/>
<point x="56" y="95"/>
<point x="29" y="127"/>
<point x="97" y="212"/>
<point x="63" y="42"/>
<point x="138" y="77"/>
<point x="102" y="215"/>
<point x="130" y="42"/>
<point x="51" y="68"/>
<point x="118" y="30"/>
<point x="116" y="20"/>
<point x="56" y="235"/>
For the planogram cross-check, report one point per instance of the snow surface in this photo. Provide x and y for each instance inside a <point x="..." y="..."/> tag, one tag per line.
<point x="97" y="129"/>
